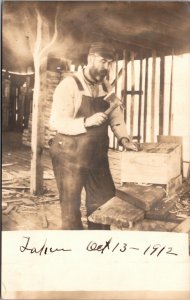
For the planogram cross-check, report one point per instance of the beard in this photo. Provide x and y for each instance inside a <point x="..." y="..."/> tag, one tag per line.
<point x="97" y="75"/>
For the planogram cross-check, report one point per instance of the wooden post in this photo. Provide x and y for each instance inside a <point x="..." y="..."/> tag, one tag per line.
<point x="161" y="99"/>
<point x="153" y="94"/>
<point x="37" y="141"/>
<point x="140" y="101"/>
<point x="145" y="100"/>
<point x="171" y="99"/>
<point x="132" y="94"/>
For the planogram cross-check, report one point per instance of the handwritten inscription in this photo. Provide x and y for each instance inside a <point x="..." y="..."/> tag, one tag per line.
<point x="44" y="249"/>
<point x="103" y="248"/>
<point x="156" y="249"/>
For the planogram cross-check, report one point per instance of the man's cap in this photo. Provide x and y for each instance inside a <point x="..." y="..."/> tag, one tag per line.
<point x="103" y="49"/>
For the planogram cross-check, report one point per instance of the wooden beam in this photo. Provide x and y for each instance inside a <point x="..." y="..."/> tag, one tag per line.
<point x="153" y="94"/>
<point x="145" y="100"/>
<point x="161" y="98"/>
<point x="171" y="100"/>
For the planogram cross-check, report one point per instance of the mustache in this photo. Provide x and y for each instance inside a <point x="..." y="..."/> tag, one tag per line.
<point x="104" y="72"/>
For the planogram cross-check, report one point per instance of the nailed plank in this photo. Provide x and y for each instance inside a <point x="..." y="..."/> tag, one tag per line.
<point x="115" y="141"/>
<point x="161" y="98"/>
<point x="132" y="94"/>
<point x="117" y="212"/>
<point x="145" y="100"/>
<point x="144" y="197"/>
<point x="124" y="88"/>
<point x="153" y="94"/>
<point x="171" y="100"/>
<point x="140" y="101"/>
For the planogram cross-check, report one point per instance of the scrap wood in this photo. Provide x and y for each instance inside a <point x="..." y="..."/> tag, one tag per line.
<point x="4" y="204"/>
<point x="8" y="209"/>
<point x="28" y="201"/>
<point x="11" y="200"/>
<point x="48" y="175"/>
<point x="15" y="187"/>
<point x="49" y="200"/>
<point x="43" y="216"/>
<point x="184" y="226"/>
<point x="29" y="207"/>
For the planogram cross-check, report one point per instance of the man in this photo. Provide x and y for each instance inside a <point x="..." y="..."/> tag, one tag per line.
<point x="79" y="150"/>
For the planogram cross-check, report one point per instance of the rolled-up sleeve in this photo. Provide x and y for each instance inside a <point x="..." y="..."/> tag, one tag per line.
<point x="117" y="124"/>
<point x="66" y="99"/>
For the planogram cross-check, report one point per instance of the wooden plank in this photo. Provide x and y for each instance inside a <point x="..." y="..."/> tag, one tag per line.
<point x="117" y="212"/>
<point x="116" y="88"/>
<point x="140" y="102"/>
<point x="145" y="101"/>
<point x="153" y="94"/>
<point x="161" y="97"/>
<point x="132" y="94"/>
<point x="161" y="210"/>
<point x="150" y="225"/>
<point x="116" y="74"/>
<point x="184" y="226"/>
<point x="144" y="197"/>
<point x="124" y="89"/>
<point x="170" y="128"/>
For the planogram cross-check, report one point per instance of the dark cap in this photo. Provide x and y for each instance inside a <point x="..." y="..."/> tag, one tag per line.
<point x="103" y="49"/>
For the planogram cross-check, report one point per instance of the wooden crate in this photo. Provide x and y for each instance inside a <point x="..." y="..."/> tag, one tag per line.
<point x="155" y="163"/>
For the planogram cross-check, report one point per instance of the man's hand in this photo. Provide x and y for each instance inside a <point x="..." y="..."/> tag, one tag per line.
<point x="96" y="119"/>
<point x="128" y="145"/>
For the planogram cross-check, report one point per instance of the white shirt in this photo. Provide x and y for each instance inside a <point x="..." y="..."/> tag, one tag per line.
<point x="66" y="103"/>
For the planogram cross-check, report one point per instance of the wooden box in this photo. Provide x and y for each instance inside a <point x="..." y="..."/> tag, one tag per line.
<point x="155" y="163"/>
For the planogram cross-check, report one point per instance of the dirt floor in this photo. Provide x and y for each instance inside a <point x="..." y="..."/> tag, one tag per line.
<point x="23" y="211"/>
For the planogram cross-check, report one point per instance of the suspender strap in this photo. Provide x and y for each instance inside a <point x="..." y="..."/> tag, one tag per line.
<point x="80" y="87"/>
<point x="104" y="87"/>
<point x="79" y="84"/>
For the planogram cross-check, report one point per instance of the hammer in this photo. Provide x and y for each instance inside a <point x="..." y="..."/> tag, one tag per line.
<point x="114" y="102"/>
<point x="111" y="98"/>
